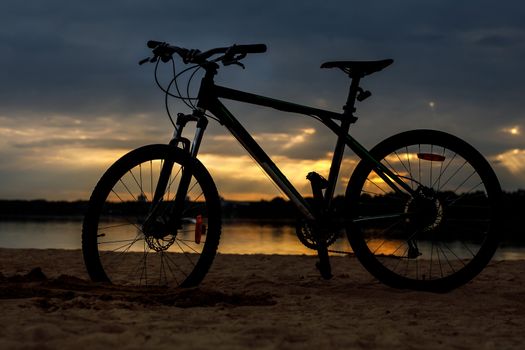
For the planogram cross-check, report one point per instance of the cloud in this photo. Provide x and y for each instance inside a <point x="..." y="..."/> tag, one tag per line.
<point x="70" y="79"/>
<point x="513" y="160"/>
<point x="514" y="131"/>
<point x="240" y="178"/>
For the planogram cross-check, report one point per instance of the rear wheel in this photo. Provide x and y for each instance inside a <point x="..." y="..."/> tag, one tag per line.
<point x="128" y="240"/>
<point x="439" y="236"/>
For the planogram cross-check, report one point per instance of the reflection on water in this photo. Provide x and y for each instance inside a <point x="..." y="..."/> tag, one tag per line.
<point x="249" y="238"/>
<point x="237" y="237"/>
<point x="42" y="234"/>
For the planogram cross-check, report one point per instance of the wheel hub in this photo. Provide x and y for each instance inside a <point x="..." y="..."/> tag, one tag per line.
<point x="159" y="234"/>
<point x="425" y="210"/>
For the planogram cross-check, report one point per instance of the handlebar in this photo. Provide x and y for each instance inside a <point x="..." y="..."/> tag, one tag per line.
<point x="232" y="54"/>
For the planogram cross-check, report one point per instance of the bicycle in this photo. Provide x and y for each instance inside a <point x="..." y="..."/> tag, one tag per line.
<point x="422" y="207"/>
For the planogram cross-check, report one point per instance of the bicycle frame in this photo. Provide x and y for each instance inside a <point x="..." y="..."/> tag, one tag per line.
<point x="209" y="95"/>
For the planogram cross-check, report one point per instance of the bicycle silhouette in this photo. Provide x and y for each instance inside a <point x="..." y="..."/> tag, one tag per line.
<point x="421" y="207"/>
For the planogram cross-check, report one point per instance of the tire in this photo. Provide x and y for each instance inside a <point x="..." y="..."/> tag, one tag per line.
<point x="442" y="236"/>
<point x="116" y="246"/>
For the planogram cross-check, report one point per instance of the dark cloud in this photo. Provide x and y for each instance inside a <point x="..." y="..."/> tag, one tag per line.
<point x="90" y="143"/>
<point x="499" y="41"/>
<point x="78" y="61"/>
<point x="81" y="58"/>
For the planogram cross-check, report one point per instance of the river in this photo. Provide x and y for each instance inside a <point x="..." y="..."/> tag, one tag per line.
<point x="237" y="237"/>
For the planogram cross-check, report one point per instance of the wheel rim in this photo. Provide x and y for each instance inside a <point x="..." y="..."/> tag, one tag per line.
<point x="434" y="235"/>
<point x="165" y="254"/>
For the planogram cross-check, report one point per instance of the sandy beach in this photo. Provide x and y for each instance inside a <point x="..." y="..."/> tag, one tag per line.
<point x="256" y="302"/>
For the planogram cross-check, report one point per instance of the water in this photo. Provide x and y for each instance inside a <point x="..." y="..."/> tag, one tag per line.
<point x="237" y="237"/>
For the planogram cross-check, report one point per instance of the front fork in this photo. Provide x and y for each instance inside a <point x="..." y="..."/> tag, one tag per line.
<point x="175" y="211"/>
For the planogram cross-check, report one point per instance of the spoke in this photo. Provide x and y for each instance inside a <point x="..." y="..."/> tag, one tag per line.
<point x="174" y="178"/>
<point x="405" y="253"/>
<point x="101" y="228"/>
<point x="133" y="241"/>
<point x="151" y="178"/>
<point x="140" y="177"/>
<point x="447" y="259"/>
<point x="145" y="264"/>
<point x="409" y="168"/>
<point x="417" y="270"/>
<point x="127" y="219"/>
<point x="431" y="258"/>
<point x="447" y="222"/>
<point x="376" y="185"/>
<point x="168" y="188"/>
<point x="190" y="241"/>
<point x="122" y="219"/>
<point x="193" y="206"/>
<point x="127" y="189"/>
<point x="455" y="173"/>
<point x="468" y="249"/>
<point x="170" y="269"/>
<point x="138" y="184"/>
<point x="453" y="253"/>
<point x="442" y="172"/>
<point x="111" y="254"/>
<point x="174" y="264"/>
<point x="185" y="253"/>
<point x="419" y="164"/>
<point x="389" y="166"/>
<point x="431" y="163"/>
<point x="186" y="244"/>
<point x="118" y="241"/>
<point x="380" y="217"/>
<point x="464" y="194"/>
<point x="162" y="269"/>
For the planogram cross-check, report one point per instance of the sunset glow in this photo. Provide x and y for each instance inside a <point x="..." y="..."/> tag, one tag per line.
<point x="240" y="178"/>
<point x="73" y="104"/>
<point x="514" y="131"/>
<point x="513" y="160"/>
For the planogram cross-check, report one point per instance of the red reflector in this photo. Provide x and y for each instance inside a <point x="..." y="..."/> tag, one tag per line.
<point x="431" y="157"/>
<point x="198" y="229"/>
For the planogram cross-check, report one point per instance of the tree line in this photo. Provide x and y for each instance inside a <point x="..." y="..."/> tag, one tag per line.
<point x="275" y="210"/>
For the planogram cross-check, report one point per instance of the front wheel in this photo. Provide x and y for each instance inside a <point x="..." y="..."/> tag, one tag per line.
<point x="441" y="234"/>
<point x="129" y="237"/>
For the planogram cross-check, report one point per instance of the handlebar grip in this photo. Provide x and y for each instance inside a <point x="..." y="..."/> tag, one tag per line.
<point x="254" y="48"/>
<point x="153" y="44"/>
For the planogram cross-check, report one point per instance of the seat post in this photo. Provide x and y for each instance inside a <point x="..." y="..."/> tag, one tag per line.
<point x="337" y="157"/>
<point x="349" y="107"/>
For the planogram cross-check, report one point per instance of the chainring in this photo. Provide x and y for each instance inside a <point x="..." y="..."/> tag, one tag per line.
<point x="305" y="231"/>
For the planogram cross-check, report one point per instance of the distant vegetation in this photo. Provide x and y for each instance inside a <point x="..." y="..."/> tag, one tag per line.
<point x="275" y="210"/>
<point x="35" y="209"/>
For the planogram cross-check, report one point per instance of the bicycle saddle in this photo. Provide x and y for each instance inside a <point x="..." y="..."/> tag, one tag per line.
<point x="358" y="68"/>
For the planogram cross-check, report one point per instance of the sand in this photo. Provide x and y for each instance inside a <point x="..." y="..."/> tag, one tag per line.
<point x="255" y="302"/>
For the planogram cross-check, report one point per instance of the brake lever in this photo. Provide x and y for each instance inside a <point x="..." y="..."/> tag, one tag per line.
<point x="191" y="56"/>
<point x="148" y="59"/>
<point x="226" y="61"/>
<point x="234" y="62"/>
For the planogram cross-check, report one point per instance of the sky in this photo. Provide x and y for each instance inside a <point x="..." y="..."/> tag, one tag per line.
<point x="73" y="98"/>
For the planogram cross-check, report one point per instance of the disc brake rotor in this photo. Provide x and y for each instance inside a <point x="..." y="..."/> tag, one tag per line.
<point x="160" y="244"/>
